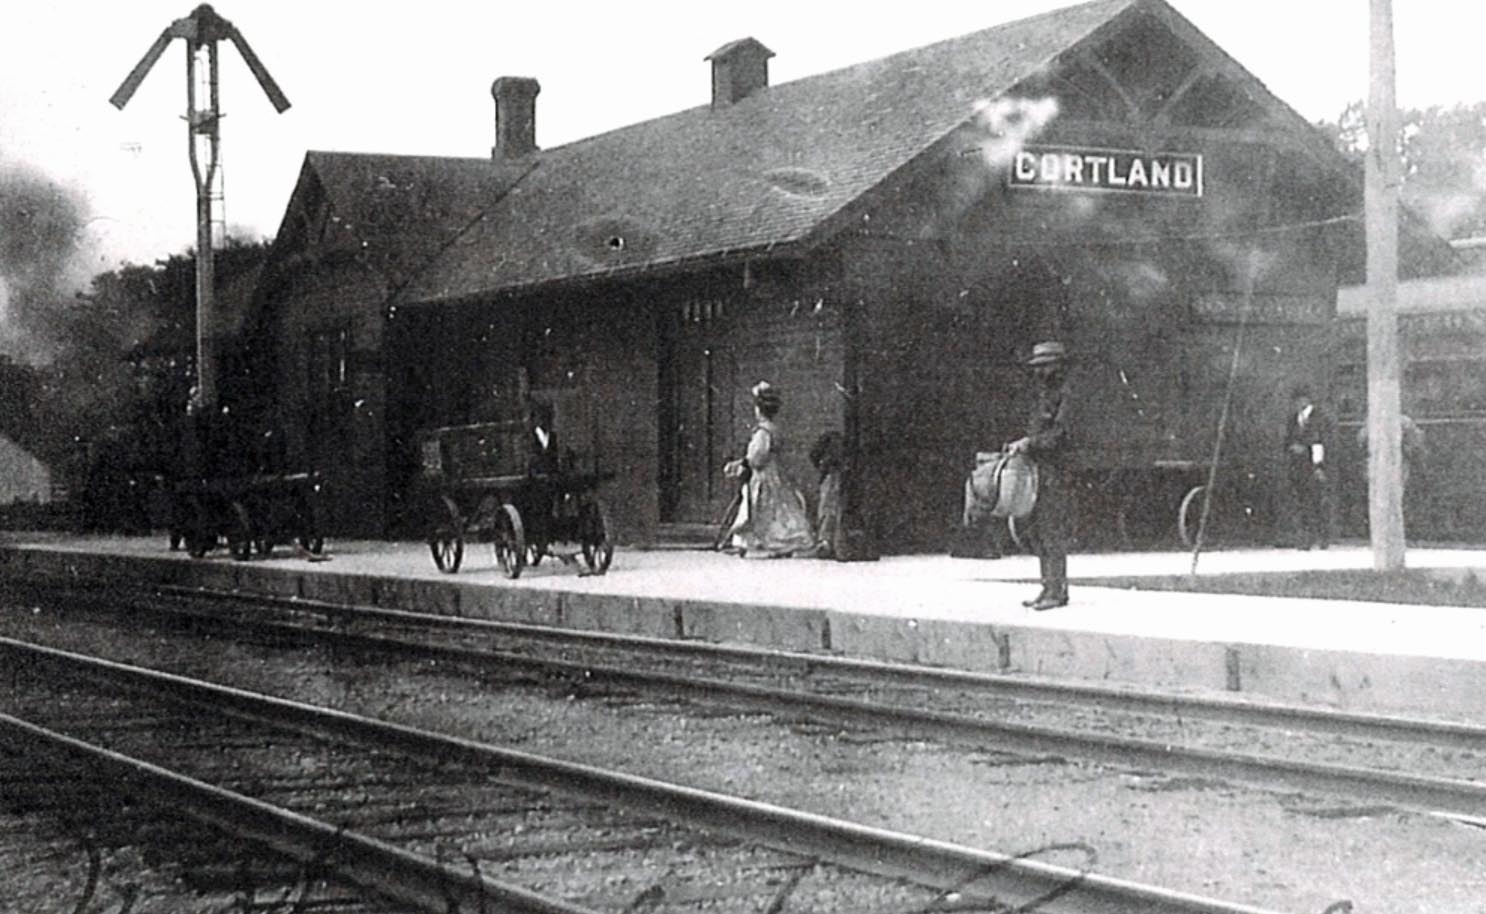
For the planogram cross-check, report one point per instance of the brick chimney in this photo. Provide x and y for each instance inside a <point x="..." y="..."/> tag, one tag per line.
<point x="515" y="116"/>
<point x="739" y="68"/>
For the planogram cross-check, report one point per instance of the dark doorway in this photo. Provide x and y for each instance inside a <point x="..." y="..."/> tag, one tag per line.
<point x="698" y="379"/>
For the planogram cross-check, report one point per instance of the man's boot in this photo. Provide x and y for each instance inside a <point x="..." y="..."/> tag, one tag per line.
<point x="1054" y="583"/>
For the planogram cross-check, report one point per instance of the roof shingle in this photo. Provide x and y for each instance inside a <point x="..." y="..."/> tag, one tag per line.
<point x="761" y="173"/>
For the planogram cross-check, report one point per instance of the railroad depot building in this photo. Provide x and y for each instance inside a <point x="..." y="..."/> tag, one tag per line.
<point x="883" y="243"/>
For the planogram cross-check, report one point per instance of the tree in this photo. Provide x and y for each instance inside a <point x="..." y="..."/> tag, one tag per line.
<point x="108" y="400"/>
<point x="1444" y="152"/>
<point x="1444" y="162"/>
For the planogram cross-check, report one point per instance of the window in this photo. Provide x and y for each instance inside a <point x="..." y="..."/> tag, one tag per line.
<point x="328" y="364"/>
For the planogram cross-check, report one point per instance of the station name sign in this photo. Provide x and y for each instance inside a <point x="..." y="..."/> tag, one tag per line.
<point x="1115" y="170"/>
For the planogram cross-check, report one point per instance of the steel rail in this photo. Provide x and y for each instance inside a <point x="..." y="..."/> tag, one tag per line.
<point x="1016" y="882"/>
<point x="389" y="871"/>
<point x="1427" y="794"/>
<point x="1327" y="721"/>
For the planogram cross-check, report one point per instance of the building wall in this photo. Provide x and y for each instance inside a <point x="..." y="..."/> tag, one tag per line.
<point x="602" y="356"/>
<point x="600" y="376"/>
<point x="778" y="322"/>
<point x="330" y="319"/>
<point x="590" y="355"/>
<point x="958" y="275"/>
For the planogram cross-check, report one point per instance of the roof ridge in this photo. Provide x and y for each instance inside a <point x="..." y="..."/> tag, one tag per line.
<point x="336" y="153"/>
<point x="966" y="37"/>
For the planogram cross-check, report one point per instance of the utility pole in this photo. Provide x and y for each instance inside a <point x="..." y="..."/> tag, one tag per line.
<point x="1384" y="175"/>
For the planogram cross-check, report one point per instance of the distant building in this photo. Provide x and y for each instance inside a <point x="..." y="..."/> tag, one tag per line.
<point x="22" y="476"/>
<point x="1442" y="348"/>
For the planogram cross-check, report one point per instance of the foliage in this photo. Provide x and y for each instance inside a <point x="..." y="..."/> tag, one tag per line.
<point x="119" y="371"/>
<point x="1444" y="162"/>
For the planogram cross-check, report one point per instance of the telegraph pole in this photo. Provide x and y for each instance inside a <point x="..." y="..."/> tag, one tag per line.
<point x="1384" y="175"/>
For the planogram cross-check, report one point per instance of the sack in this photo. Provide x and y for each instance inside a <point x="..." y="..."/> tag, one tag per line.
<point x="1001" y="485"/>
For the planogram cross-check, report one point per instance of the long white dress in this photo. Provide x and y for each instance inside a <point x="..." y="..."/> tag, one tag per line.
<point x="772" y="521"/>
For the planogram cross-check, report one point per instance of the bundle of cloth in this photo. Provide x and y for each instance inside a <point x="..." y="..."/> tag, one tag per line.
<point x="1001" y="485"/>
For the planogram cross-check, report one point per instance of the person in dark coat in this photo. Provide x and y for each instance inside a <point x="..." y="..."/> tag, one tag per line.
<point x="541" y="439"/>
<point x="1050" y="525"/>
<point x="543" y="461"/>
<point x="1308" y="435"/>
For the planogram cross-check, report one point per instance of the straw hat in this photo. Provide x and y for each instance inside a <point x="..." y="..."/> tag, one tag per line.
<point x="1047" y="353"/>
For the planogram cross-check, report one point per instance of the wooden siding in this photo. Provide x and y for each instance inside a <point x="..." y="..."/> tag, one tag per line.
<point x="340" y="437"/>
<point x="775" y="322"/>
<point x="959" y="275"/>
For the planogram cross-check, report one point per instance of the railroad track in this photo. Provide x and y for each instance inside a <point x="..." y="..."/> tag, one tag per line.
<point x="70" y="842"/>
<point x="925" y="703"/>
<point x="387" y="807"/>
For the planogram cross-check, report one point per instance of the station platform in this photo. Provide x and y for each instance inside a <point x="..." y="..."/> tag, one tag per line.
<point x="933" y="610"/>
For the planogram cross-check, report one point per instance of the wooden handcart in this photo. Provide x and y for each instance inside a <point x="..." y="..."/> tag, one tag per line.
<point x="251" y="514"/>
<point x="476" y="485"/>
<point x="1160" y="503"/>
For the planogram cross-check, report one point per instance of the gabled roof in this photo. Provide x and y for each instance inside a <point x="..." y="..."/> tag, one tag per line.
<point x="396" y="211"/>
<point x="767" y="171"/>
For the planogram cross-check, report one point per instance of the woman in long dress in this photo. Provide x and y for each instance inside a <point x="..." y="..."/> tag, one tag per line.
<point x="772" y="521"/>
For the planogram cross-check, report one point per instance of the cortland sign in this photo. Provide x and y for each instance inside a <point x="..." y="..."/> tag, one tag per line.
<point x="1116" y="170"/>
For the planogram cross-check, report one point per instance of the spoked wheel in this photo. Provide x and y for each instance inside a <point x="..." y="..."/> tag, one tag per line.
<point x="240" y="534"/>
<point x="446" y="543"/>
<point x="593" y="531"/>
<point x="1189" y="515"/>
<point x="510" y="541"/>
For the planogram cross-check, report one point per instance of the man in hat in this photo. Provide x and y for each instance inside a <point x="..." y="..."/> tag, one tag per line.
<point x="1050" y="525"/>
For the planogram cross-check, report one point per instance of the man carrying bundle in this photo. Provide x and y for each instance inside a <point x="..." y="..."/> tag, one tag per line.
<point x="1050" y="525"/>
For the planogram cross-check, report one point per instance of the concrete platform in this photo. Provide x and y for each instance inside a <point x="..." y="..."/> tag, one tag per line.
<point x="961" y="613"/>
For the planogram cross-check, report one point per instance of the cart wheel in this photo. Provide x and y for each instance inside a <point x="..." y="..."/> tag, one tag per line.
<point x="240" y="534"/>
<point x="510" y="541"/>
<point x="593" y="531"/>
<point x="1189" y="515"/>
<point x="312" y="543"/>
<point x="447" y="541"/>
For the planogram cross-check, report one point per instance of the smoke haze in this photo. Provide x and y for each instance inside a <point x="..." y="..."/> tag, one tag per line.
<point x="40" y="224"/>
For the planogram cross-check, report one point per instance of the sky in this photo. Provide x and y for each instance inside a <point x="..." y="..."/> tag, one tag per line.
<point x="414" y="78"/>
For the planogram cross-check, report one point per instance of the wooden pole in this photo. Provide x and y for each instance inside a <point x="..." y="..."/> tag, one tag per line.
<point x="203" y="122"/>
<point x="1384" y="175"/>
